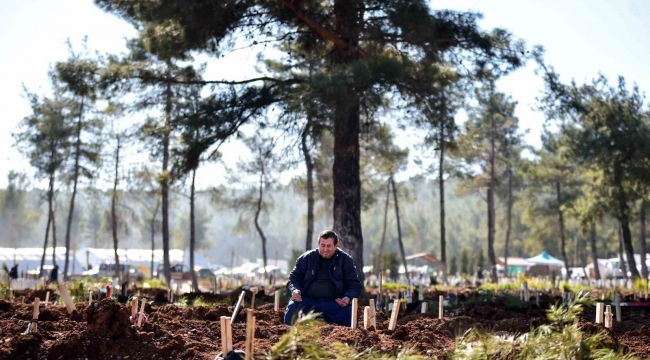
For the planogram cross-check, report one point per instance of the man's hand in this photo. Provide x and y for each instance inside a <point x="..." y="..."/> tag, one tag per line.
<point x="295" y="296"/>
<point x="343" y="302"/>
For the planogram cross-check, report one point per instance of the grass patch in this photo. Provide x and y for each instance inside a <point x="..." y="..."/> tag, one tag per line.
<point x="561" y="339"/>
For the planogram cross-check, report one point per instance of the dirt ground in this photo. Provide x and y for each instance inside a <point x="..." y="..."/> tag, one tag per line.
<point x="104" y="331"/>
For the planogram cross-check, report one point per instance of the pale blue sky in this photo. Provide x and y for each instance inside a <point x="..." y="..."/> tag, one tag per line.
<point x="581" y="39"/>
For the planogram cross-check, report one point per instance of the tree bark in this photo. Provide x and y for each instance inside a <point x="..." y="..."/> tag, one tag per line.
<point x="621" y="260"/>
<point x="54" y="236"/>
<point x="642" y="218"/>
<point x="347" y="183"/>
<point x="624" y="217"/>
<point x="441" y="189"/>
<point x="380" y="261"/>
<point x="152" y="224"/>
<point x="309" y="164"/>
<point x="165" y="184"/>
<point x="153" y="235"/>
<point x="560" y="213"/>
<point x="74" y="190"/>
<point x="508" y="223"/>
<point x="195" y="282"/>
<point x="594" y="250"/>
<point x="491" y="207"/>
<point x="399" y="231"/>
<point x="50" y="196"/>
<point x="258" y="211"/>
<point x="114" y="207"/>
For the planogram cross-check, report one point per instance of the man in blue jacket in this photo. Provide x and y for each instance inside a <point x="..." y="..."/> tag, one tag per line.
<point x="325" y="281"/>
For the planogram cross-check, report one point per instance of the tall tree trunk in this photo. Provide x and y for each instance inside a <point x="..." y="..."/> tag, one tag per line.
<point x="441" y="189"/>
<point x="258" y="211"/>
<point x="347" y="183"/>
<point x="399" y="231"/>
<point x="165" y="184"/>
<point x="560" y="213"/>
<point x="491" y="207"/>
<point x="50" y="196"/>
<point x="309" y="164"/>
<point x="380" y="262"/>
<point x="54" y="235"/>
<point x="644" y="265"/>
<point x="508" y="223"/>
<point x="77" y="155"/>
<point x="195" y="282"/>
<point x="152" y="224"/>
<point x="116" y="181"/>
<point x="153" y="235"/>
<point x="594" y="249"/>
<point x="624" y="217"/>
<point x="621" y="260"/>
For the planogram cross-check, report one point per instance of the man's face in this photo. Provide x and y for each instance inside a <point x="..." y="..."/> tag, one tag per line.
<point x="326" y="247"/>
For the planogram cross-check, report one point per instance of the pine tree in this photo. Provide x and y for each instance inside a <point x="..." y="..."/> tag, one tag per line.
<point x="607" y="130"/>
<point x="154" y="76"/>
<point x="44" y="140"/>
<point x="78" y="80"/>
<point x="483" y="143"/>
<point x="371" y="45"/>
<point x="556" y="183"/>
<point x="464" y="263"/>
<point x="480" y="261"/>
<point x="453" y="266"/>
<point x="17" y="215"/>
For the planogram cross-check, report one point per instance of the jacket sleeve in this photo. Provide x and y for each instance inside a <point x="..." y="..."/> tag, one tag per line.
<point x="297" y="275"/>
<point x="352" y="282"/>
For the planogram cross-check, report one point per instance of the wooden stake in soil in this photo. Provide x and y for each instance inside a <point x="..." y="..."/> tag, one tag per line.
<point x="47" y="298"/>
<point x="380" y="287"/>
<point x="608" y="317"/>
<point x="67" y="300"/>
<point x="276" y="304"/>
<point x="226" y="335"/>
<point x="441" y="306"/>
<point x="355" y="305"/>
<point x="393" y="316"/>
<point x="617" y="300"/>
<point x="250" y="334"/>
<point x="526" y="293"/>
<point x="35" y="315"/>
<point x="134" y="308"/>
<point x="424" y="307"/>
<point x="90" y="298"/>
<point x="372" y="313"/>
<point x="366" y="317"/>
<point x="599" y="313"/>
<point x="254" y="291"/>
<point x="141" y="315"/>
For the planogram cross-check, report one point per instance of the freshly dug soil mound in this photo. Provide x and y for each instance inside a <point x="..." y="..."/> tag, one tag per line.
<point x="108" y="319"/>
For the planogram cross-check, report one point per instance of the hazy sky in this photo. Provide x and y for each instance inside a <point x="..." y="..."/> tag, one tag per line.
<point x="581" y="39"/>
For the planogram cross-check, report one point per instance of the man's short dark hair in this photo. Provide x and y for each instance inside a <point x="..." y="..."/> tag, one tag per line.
<point x="329" y="234"/>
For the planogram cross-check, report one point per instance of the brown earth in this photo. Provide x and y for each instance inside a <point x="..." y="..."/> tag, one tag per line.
<point x="103" y="330"/>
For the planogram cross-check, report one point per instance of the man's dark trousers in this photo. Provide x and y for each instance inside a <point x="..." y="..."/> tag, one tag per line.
<point x="331" y="312"/>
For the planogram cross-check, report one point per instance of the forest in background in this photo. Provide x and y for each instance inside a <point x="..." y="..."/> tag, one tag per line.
<point x="325" y="101"/>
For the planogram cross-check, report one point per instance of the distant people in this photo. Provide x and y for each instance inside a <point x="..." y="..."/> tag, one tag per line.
<point x="13" y="273"/>
<point x="54" y="274"/>
<point x="325" y="281"/>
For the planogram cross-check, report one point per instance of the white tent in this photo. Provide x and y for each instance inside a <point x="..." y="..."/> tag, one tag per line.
<point x="545" y="259"/>
<point x="30" y="258"/>
<point x="140" y="258"/>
